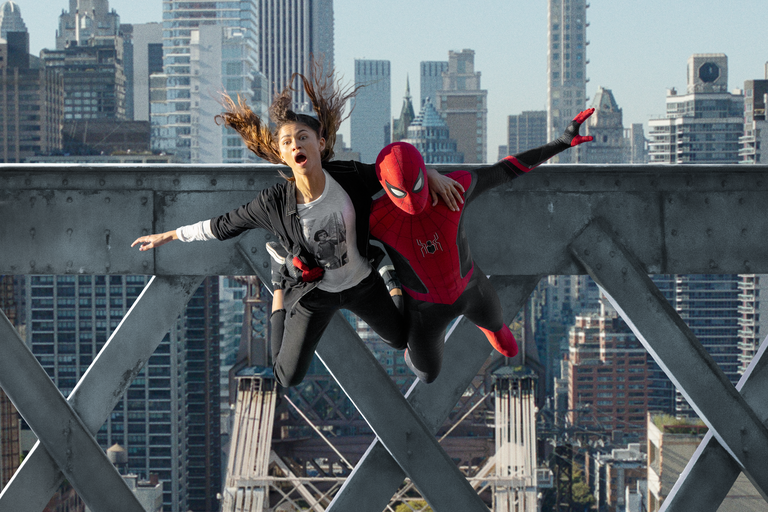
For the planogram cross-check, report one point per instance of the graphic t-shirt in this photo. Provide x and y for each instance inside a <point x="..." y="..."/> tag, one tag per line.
<point x="328" y="224"/>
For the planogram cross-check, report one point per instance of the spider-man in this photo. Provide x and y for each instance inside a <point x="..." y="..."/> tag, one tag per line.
<point x="438" y="275"/>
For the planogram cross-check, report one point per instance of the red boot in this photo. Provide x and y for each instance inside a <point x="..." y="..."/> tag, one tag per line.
<point x="502" y="340"/>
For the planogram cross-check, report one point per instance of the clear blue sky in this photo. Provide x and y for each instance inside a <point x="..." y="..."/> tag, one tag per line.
<point x="638" y="48"/>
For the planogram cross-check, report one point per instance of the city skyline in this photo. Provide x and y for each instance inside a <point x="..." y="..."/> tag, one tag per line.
<point x="638" y="67"/>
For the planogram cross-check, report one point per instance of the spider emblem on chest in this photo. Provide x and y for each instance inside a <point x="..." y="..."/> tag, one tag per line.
<point x="430" y="247"/>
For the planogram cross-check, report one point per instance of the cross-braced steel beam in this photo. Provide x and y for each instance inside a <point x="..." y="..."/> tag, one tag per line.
<point x="734" y="424"/>
<point x="400" y="429"/>
<point x="711" y="472"/>
<point x="377" y="475"/>
<point x="88" y="406"/>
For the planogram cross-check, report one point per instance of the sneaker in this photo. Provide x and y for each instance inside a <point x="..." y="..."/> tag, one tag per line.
<point x="278" y="254"/>
<point x="389" y="275"/>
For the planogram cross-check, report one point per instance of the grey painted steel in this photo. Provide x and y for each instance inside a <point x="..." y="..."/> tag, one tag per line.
<point x="676" y="350"/>
<point x="59" y="428"/>
<point x="711" y="472"/>
<point x="674" y="219"/>
<point x="400" y="429"/>
<point x="101" y="387"/>
<point x="377" y="476"/>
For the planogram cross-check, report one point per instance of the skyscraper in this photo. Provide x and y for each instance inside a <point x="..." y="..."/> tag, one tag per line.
<point x="31" y="100"/>
<point x="10" y="19"/>
<point x="171" y="108"/>
<point x="407" y="114"/>
<point x="429" y="134"/>
<point x="143" y="56"/>
<point x="608" y="373"/>
<point x="291" y="34"/>
<point x="704" y="125"/>
<point x="221" y="61"/>
<point x="755" y="138"/>
<point x="86" y="20"/>
<point x="370" y="121"/>
<point x="463" y="105"/>
<point x="607" y="128"/>
<point x="168" y="418"/>
<point x="431" y="79"/>
<point x="525" y="131"/>
<point x="566" y="66"/>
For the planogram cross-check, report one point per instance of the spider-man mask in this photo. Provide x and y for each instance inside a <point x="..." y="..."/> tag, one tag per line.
<point x="401" y="171"/>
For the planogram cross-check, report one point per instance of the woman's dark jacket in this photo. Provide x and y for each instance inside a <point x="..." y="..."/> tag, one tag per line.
<point x="274" y="209"/>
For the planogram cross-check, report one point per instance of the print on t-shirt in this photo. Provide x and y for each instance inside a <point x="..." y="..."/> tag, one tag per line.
<point x="328" y="237"/>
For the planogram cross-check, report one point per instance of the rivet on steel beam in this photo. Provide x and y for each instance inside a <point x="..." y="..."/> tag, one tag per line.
<point x="32" y="263"/>
<point x="265" y="264"/>
<point x="32" y="201"/>
<point x="612" y="254"/>
<point x="69" y="231"/>
<point x="102" y="183"/>
<point x="144" y="201"/>
<point x="586" y="251"/>
<point x="253" y="250"/>
<point x="145" y="263"/>
<point x="722" y="183"/>
<point x="69" y="199"/>
<point x="746" y="263"/>
<point x="706" y="200"/>
<point x="599" y="266"/>
<point x="27" y="181"/>
<point x="582" y="182"/>
<point x="741" y="200"/>
<point x="139" y="183"/>
<point x="32" y="232"/>
<point x="674" y="232"/>
<point x="744" y="232"/>
<point x="670" y="200"/>
<point x="106" y="199"/>
<point x="144" y="232"/>
<point x="213" y="182"/>
<point x="268" y="237"/>
<point x="69" y="264"/>
<point x="176" y="182"/>
<point x="709" y="231"/>
<point x="65" y="182"/>
<point x="618" y="183"/>
<point x="624" y="270"/>
<point x="251" y="182"/>
<point x="712" y="264"/>
<point x="410" y="452"/>
<point x="107" y="232"/>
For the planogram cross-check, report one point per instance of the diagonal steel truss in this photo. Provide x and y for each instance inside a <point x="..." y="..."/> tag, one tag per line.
<point x="740" y="437"/>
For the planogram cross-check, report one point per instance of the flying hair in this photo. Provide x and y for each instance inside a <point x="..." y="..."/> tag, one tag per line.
<point x="327" y="95"/>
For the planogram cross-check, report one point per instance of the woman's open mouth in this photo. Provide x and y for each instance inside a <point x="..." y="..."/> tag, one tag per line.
<point x="300" y="159"/>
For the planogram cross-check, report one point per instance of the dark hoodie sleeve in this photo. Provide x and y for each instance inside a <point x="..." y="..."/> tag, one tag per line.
<point x="249" y="216"/>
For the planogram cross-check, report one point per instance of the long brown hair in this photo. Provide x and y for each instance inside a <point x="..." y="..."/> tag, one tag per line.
<point x="328" y="96"/>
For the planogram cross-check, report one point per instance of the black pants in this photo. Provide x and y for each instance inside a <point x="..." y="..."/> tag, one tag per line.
<point x="427" y="322"/>
<point x="295" y="338"/>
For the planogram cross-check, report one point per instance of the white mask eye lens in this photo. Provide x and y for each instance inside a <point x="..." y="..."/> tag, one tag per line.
<point x="396" y="191"/>
<point x="419" y="183"/>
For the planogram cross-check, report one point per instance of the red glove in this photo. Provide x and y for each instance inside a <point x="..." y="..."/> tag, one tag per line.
<point x="308" y="275"/>
<point x="572" y="132"/>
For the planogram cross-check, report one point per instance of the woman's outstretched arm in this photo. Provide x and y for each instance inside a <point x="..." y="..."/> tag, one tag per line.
<point x="151" y="241"/>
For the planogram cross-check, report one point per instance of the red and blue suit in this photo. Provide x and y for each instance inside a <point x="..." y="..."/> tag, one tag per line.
<point x="429" y="249"/>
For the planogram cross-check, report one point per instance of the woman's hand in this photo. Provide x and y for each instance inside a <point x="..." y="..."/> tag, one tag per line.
<point x="448" y="189"/>
<point x="151" y="241"/>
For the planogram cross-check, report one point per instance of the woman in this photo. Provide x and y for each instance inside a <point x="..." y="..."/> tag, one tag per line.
<point x="321" y="196"/>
